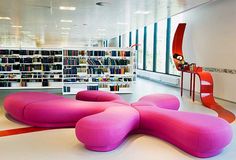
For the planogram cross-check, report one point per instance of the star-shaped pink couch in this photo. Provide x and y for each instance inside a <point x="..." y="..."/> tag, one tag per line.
<point x="103" y="120"/>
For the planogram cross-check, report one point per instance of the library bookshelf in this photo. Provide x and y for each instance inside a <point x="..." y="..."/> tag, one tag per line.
<point x="69" y="69"/>
<point x="28" y="68"/>
<point x="106" y="69"/>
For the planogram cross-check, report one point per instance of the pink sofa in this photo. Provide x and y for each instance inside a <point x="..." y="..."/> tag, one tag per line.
<point x="103" y="120"/>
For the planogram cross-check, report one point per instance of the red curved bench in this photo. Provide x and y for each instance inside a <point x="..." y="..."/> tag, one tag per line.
<point x="103" y="120"/>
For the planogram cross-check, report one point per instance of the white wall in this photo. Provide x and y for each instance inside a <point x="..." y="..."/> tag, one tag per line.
<point x="210" y="41"/>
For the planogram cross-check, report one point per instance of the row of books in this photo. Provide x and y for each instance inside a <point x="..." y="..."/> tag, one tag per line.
<point x="74" y="61"/>
<point x="31" y="60"/>
<point x="4" y="52"/>
<point x="97" y="79"/>
<point x="119" y="70"/>
<point x="74" y="53"/>
<point x="94" y="61"/>
<point x="41" y="76"/>
<point x="30" y="52"/>
<point x="51" y="59"/>
<point x="45" y="83"/>
<point x="95" y="70"/>
<point x="6" y="68"/>
<point x="96" y="53"/>
<point x="83" y="53"/>
<point x="111" y="79"/>
<point x="26" y="67"/>
<point x="108" y="61"/>
<point x="6" y="76"/>
<point x="115" y="88"/>
<point x="66" y="53"/>
<point x="120" y="53"/>
<point x="72" y="70"/>
<point x="38" y="67"/>
<point x="66" y="89"/>
<point x="95" y="87"/>
<point x="3" y="60"/>
<point x="5" y="84"/>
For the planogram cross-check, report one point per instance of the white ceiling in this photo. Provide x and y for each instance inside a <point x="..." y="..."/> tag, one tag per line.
<point x="40" y="19"/>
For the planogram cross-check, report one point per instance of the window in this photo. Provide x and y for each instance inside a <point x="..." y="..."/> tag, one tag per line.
<point x="174" y="24"/>
<point x="149" y="50"/>
<point x="133" y="39"/>
<point x="125" y="40"/>
<point x="114" y="42"/>
<point x="140" y="48"/>
<point x="161" y="46"/>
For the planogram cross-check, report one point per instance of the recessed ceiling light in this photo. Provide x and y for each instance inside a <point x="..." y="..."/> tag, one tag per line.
<point x="64" y="33"/>
<point x="65" y="28"/>
<point x="31" y="36"/>
<point x="26" y="32"/>
<point x="122" y="23"/>
<point x="66" y="21"/>
<point x="101" y="29"/>
<point x="14" y="26"/>
<point x="142" y="12"/>
<point x="64" y="36"/>
<point x="66" y="8"/>
<point x="101" y="34"/>
<point x="5" y="18"/>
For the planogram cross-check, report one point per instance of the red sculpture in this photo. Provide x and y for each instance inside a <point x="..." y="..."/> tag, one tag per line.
<point x="206" y="80"/>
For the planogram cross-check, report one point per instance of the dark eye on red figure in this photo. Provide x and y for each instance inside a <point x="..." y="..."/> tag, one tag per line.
<point x="180" y="58"/>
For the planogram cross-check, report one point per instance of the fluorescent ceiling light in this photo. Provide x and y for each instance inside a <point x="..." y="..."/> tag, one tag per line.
<point x="67" y="8"/>
<point x="101" y="29"/>
<point x="142" y="12"/>
<point x="16" y="26"/>
<point x="64" y="33"/>
<point x="122" y="23"/>
<point x="66" y="21"/>
<point x="65" y="28"/>
<point x="26" y="32"/>
<point x="5" y="18"/>
<point x="31" y="35"/>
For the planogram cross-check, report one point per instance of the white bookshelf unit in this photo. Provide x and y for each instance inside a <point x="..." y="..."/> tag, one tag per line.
<point x="106" y="69"/>
<point x="69" y="69"/>
<point x="30" y="68"/>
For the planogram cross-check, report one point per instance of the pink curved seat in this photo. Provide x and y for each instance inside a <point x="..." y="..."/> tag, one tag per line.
<point x="198" y="134"/>
<point x="97" y="96"/>
<point x="103" y="120"/>
<point x="106" y="130"/>
<point x="165" y="101"/>
<point x="49" y="110"/>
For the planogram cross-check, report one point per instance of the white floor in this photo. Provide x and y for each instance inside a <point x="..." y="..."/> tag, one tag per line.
<point x="62" y="144"/>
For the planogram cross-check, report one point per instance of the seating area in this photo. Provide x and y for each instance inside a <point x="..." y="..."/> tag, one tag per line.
<point x="103" y="120"/>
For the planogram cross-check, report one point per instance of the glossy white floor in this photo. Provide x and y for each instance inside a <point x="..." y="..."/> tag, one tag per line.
<point x="62" y="144"/>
